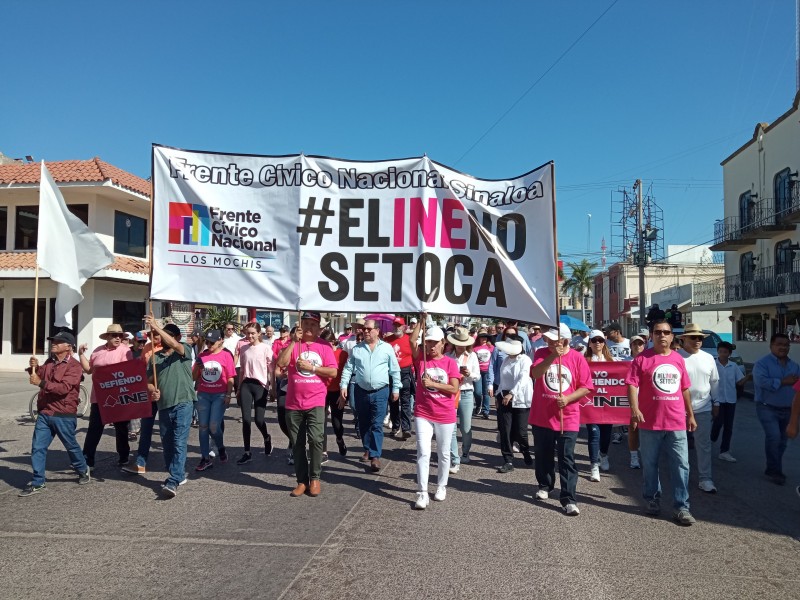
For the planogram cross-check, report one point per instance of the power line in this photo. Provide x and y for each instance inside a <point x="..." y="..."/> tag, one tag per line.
<point x="534" y="84"/>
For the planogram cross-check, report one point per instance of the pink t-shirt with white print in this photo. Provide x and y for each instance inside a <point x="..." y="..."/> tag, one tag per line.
<point x="661" y="380"/>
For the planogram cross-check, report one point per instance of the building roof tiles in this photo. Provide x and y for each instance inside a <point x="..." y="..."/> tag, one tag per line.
<point x="75" y="171"/>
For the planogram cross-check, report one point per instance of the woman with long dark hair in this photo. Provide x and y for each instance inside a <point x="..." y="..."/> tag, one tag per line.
<point x="598" y="436"/>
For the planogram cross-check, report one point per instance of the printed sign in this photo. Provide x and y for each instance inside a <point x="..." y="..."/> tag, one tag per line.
<point x="311" y="233"/>
<point x="121" y="391"/>
<point x="608" y="404"/>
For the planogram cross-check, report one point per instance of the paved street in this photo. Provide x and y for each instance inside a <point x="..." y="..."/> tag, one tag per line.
<point x="234" y="531"/>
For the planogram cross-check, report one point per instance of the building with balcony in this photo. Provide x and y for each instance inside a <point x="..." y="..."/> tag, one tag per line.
<point x="116" y="206"/>
<point x="758" y="234"/>
<point x="616" y="290"/>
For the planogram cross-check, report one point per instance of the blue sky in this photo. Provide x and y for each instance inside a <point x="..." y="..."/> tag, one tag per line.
<point x="657" y="90"/>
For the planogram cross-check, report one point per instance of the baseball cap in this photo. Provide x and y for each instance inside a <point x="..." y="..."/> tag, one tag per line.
<point x="141" y="336"/>
<point x="214" y="335"/>
<point x="434" y="334"/>
<point x="562" y="332"/>
<point x="596" y="333"/>
<point x="64" y="336"/>
<point x="613" y="326"/>
<point x="284" y="329"/>
<point x="311" y="316"/>
<point x="413" y="320"/>
<point x="399" y="320"/>
<point x="637" y="338"/>
<point x="644" y="331"/>
<point x="128" y="335"/>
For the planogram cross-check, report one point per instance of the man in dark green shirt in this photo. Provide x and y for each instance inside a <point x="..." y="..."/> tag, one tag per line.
<point x="173" y="378"/>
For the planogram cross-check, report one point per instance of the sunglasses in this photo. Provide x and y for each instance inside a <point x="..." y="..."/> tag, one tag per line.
<point x="661" y="332"/>
<point x="369" y="328"/>
<point x="229" y="329"/>
<point x="116" y="335"/>
<point x="638" y="343"/>
<point x="598" y="341"/>
<point x="695" y="338"/>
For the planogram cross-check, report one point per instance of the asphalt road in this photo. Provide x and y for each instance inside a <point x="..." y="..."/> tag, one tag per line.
<point x="234" y="532"/>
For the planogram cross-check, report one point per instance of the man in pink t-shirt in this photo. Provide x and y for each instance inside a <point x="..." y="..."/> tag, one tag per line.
<point x="310" y="363"/>
<point x="661" y="409"/>
<point x="561" y="378"/>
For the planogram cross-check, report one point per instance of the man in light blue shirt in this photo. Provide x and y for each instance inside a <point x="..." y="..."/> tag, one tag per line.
<point x="773" y="378"/>
<point x="373" y="364"/>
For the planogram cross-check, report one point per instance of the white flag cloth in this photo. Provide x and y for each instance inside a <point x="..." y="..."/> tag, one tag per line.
<point x="67" y="249"/>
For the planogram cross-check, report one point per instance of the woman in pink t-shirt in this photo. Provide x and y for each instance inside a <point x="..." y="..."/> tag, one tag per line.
<point x="255" y="361"/>
<point x="483" y="350"/>
<point x="110" y="353"/>
<point x="214" y="373"/>
<point x="438" y="380"/>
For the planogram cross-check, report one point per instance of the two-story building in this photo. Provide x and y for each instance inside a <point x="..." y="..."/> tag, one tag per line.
<point x="759" y="237"/>
<point x="116" y="206"/>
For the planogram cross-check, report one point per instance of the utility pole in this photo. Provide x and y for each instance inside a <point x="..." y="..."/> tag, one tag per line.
<point x="641" y="257"/>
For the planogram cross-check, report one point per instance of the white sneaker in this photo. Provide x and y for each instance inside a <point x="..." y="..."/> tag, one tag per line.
<point x="727" y="457"/>
<point x="572" y="510"/>
<point x="515" y="448"/>
<point x="542" y="494"/>
<point x="422" y="501"/>
<point x="212" y="454"/>
<point x="386" y="421"/>
<point x="604" y="466"/>
<point x="708" y="486"/>
<point x="595" y="475"/>
<point x="454" y="469"/>
<point x="441" y="494"/>
<point x="635" y="464"/>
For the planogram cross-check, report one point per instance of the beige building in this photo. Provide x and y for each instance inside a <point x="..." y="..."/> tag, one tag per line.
<point x="115" y="205"/>
<point x="759" y="235"/>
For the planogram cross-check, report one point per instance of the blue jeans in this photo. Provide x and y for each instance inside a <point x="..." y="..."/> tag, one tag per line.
<point x="482" y="399"/>
<point x="465" y="406"/>
<point x="146" y="437"/>
<point x="210" y="411"/>
<point x="676" y="446"/>
<point x="46" y="428"/>
<point x="174" y="425"/>
<point x="774" y="421"/>
<point x="371" y="409"/>
<point x="598" y="438"/>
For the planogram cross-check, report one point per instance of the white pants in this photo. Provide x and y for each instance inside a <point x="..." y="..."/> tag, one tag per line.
<point x="425" y="432"/>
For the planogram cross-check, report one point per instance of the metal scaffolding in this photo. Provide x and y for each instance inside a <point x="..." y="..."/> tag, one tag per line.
<point x="624" y="226"/>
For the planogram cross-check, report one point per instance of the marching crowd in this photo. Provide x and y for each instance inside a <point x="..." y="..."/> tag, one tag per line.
<point x="426" y="382"/>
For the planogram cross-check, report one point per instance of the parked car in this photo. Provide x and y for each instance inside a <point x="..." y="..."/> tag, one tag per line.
<point x="710" y="345"/>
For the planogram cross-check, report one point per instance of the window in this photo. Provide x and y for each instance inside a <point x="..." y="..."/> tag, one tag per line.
<point x="747" y="266"/>
<point x="128" y="314"/>
<point x="783" y="257"/>
<point x="27" y="228"/>
<point x="130" y="235"/>
<point x="22" y="326"/>
<point x="747" y="210"/>
<point x="3" y="227"/>
<point x="782" y="192"/>
<point x="752" y="328"/>
<point x="26" y="233"/>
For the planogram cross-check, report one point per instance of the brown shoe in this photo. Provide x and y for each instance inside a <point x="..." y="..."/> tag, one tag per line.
<point x="314" y="488"/>
<point x="365" y="457"/>
<point x="299" y="490"/>
<point x="375" y="464"/>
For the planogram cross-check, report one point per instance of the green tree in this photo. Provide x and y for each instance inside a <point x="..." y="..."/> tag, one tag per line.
<point x="580" y="282"/>
<point x="218" y="316"/>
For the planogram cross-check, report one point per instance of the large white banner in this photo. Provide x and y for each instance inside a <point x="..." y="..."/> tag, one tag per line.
<point x="310" y="233"/>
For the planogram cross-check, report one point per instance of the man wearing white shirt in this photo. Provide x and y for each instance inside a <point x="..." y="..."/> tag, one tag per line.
<point x="617" y="344"/>
<point x="702" y="370"/>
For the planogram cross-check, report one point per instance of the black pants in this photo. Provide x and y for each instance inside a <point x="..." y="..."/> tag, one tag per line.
<point x="337" y="418"/>
<point x="251" y="393"/>
<point x="282" y="413"/>
<point x="724" y="421"/>
<point x="400" y="412"/>
<point x="512" y="423"/>
<point x="95" y="432"/>
<point x="546" y="443"/>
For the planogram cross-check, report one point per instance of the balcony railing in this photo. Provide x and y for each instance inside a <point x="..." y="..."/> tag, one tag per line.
<point x="763" y="283"/>
<point x="763" y="218"/>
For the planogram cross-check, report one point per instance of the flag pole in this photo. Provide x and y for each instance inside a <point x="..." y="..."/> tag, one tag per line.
<point x="35" y="309"/>
<point x="152" y="343"/>
<point x="555" y="259"/>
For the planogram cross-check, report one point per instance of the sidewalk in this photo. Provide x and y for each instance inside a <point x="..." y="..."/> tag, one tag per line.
<point x="235" y="532"/>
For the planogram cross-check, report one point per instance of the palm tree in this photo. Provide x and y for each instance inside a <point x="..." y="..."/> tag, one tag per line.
<point x="580" y="282"/>
<point x="218" y="317"/>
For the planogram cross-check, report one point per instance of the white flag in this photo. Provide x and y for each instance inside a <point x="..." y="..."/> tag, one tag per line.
<point x="67" y="249"/>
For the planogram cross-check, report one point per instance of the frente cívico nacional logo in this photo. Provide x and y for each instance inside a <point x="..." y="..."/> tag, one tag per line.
<point x="200" y="225"/>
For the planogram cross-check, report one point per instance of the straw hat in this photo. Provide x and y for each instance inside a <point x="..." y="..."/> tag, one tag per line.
<point x="693" y="329"/>
<point x="460" y="337"/>
<point x="113" y="328"/>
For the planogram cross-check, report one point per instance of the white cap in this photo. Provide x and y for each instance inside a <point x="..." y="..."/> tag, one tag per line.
<point x="644" y="331"/>
<point x="596" y="333"/>
<point x="413" y="320"/>
<point x="434" y="334"/>
<point x="562" y="332"/>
